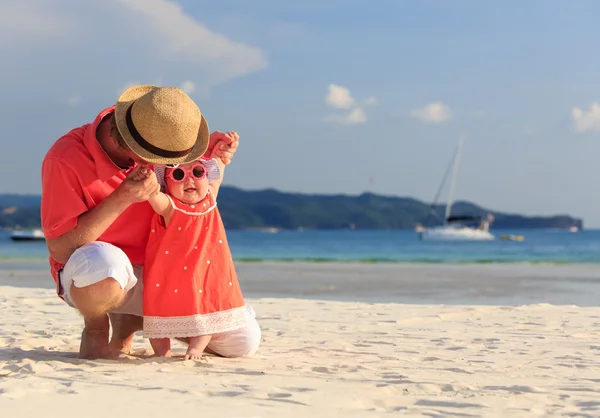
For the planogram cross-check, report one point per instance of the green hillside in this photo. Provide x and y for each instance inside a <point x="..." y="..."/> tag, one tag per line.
<point x="270" y="208"/>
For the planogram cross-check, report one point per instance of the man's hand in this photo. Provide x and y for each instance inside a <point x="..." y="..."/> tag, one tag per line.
<point x="222" y="145"/>
<point x="138" y="186"/>
<point x="217" y="151"/>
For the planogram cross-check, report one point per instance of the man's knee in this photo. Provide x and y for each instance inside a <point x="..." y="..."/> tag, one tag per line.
<point x="97" y="271"/>
<point x="97" y="298"/>
<point x="96" y="261"/>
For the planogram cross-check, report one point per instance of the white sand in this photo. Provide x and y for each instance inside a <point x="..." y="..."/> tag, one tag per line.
<point x="317" y="359"/>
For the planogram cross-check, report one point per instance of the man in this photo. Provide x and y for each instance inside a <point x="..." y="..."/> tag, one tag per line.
<point x="96" y="218"/>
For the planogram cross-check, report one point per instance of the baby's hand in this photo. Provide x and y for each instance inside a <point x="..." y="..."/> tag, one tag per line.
<point x="142" y="174"/>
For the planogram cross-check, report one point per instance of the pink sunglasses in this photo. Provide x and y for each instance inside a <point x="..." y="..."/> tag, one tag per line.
<point x="179" y="174"/>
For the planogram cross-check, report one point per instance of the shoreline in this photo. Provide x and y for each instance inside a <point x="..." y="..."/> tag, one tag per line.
<point x="381" y="261"/>
<point x="413" y="283"/>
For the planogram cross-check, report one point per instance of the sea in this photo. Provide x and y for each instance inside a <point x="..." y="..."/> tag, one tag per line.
<point x="379" y="246"/>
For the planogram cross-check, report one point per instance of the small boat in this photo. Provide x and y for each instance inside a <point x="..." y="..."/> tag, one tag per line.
<point x="512" y="238"/>
<point x="456" y="232"/>
<point x="28" y="235"/>
<point x="455" y="228"/>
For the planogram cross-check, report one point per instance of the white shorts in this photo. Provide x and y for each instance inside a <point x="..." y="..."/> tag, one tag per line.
<point x="94" y="262"/>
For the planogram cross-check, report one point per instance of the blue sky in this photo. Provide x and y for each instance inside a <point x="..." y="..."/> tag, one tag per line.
<point x="330" y="96"/>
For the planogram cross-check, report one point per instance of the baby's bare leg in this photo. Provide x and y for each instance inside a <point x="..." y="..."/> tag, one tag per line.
<point x="161" y="346"/>
<point x="196" y="347"/>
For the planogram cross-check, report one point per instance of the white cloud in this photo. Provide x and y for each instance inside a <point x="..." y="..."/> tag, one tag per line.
<point x="354" y="117"/>
<point x="586" y="121"/>
<point x="74" y="100"/>
<point x="339" y="97"/>
<point x="432" y="113"/>
<point x="142" y="40"/>
<point x="188" y="86"/>
<point x="173" y="34"/>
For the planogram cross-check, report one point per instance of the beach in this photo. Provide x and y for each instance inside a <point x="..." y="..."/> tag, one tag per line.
<point x="339" y="339"/>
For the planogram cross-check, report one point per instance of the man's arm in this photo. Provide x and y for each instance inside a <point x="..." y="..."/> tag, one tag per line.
<point x="91" y="224"/>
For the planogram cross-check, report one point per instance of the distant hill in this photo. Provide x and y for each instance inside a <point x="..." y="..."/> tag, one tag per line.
<point x="243" y="209"/>
<point x="19" y="210"/>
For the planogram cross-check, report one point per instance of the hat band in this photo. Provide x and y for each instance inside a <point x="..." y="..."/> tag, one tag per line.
<point x="165" y="153"/>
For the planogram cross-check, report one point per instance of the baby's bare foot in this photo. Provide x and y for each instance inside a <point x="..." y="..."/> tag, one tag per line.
<point x="193" y="354"/>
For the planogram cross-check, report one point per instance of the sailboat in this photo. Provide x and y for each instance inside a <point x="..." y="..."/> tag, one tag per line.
<point x="466" y="228"/>
<point x="35" y="234"/>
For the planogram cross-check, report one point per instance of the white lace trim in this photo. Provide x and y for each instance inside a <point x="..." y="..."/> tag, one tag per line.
<point x="195" y="325"/>
<point x="214" y="205"/>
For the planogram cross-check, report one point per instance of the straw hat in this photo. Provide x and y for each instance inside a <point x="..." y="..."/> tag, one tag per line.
<point x="162" y="125"/>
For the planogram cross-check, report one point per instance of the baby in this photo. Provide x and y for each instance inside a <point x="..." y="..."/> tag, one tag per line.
<point x="191" y="288"/>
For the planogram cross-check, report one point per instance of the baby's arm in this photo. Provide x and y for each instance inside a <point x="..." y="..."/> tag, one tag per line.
<point x="161" y="205"/>
<point x="159" y="202"/>
<point x="214" y="185"/>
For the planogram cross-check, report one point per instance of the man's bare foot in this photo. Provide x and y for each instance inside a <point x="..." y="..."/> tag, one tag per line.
<point x="193" y="354"/>
<point x="124" y="327"/>
<point x="161" y="347"/>
<point x="94" y="339"/>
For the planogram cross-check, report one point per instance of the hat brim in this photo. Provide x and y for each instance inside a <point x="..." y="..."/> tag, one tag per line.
<point x="125" y="101"/>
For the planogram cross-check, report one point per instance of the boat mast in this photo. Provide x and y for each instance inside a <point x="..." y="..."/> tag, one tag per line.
<point x="453" y="181"/>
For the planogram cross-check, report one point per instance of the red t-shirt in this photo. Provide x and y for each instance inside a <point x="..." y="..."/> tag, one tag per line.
<point x="76" y="176"/>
